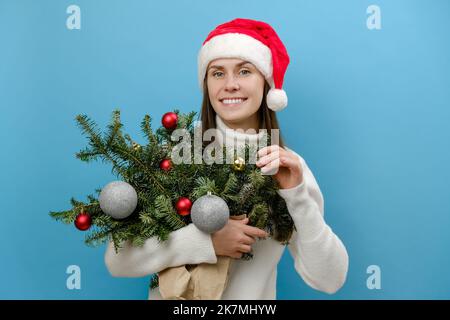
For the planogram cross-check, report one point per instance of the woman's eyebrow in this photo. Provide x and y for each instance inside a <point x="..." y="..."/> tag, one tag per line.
<point x="221" y="67"/>
<point x="215" y="67"/>
<point x="242" y="63"/>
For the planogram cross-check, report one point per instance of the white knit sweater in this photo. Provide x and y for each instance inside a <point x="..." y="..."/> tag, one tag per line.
<point x="320" y="257"/>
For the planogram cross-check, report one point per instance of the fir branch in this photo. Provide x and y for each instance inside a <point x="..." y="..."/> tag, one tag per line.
<point x="97" y="237"/>
<point x="245" y="192"/>
<point x="258" y="215"/>
<point x="89" y="127"/>
<point x="147" y="218"/>
<point x="154" y="281"/>
<point x="147" y="130"/>
<point x="203" y="186"/>
<point x="125" y="152"/>
<point x="231" y="186"/>
<point x="114" y="129"/>
<point x="128" y="138"/>
<point x="66" y="217"/>
<point x="87" y="155"/>
<point x="256" y="178"/>
<point x="164" y="210"/>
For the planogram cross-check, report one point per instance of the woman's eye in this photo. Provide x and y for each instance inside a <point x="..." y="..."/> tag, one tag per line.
<point x="217" y="74"/>
<point x="245" y="71"/>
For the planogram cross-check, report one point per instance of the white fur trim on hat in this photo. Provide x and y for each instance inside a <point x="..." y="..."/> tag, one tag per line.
<point x="276" y="99"/>
<point x="235" y="45"/>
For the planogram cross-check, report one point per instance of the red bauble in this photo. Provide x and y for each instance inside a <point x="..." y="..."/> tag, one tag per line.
<point x="83" y="221"/>
<point x="165" y="165"/>
<point x="170" y="120"/>
<point x="183" y="206"/>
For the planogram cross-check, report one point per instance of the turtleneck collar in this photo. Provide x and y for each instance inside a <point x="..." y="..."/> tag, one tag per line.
<point x="231" y="135"/>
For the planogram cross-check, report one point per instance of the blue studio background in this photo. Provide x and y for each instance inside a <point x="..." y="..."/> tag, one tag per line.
<point x="368" y="110"/>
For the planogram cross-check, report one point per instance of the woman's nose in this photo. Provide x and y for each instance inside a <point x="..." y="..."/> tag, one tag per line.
<point x="231" y="84"/>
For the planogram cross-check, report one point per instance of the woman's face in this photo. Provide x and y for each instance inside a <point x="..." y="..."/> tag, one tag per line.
<point x="235" y="89"/>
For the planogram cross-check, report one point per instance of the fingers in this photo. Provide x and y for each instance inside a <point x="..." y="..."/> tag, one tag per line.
<point x="255" y="232"/>
<point x="251" y="232"/>
<point x="271" y="168"/>
<point x="244" y="221"/>
<point x="267" y="159"/>
<point x="283" y="161"/>
<point x="237" y="255"/>
<point x="244" y="248"/>
<point x="269" y="149"/>
<point x="268" y="154"/>
<point x="289" y="162"/>
<point x="241" y="221"/>
<point x="272" y="157"/>
<point x="247" y="240"/>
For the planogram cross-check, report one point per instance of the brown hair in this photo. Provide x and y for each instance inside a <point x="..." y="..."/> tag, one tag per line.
<point x="267" y="118"/>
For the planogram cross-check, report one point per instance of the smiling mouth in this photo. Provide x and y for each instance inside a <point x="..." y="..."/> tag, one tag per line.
<point x="233" y="101"/>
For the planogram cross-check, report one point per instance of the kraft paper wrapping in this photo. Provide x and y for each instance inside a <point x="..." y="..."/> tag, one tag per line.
<point x="204" y="281"/>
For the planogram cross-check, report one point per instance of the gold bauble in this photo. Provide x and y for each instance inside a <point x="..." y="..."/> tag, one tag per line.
<point x="239" y="164"/>
<point x="136" y="146"/>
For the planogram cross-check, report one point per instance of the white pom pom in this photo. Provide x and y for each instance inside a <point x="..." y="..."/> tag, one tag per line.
<point x="276" y="99"/>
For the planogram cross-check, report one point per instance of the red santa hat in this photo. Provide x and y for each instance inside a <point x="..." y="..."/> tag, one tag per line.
<point x="253" y="41"/>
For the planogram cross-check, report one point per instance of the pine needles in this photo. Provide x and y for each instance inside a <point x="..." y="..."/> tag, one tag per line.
<point x="246" y="191"/>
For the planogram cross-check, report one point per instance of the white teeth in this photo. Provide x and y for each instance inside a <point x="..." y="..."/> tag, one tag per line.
<point x="232" y="101"/>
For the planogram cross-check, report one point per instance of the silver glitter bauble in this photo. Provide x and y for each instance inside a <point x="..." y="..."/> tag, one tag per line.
<point x="210" y="213"/>
<point x="118" y="199"/>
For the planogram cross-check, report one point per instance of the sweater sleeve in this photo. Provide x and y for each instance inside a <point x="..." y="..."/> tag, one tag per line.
<point x="320" y="257"/>
<point x="187" y="245"/>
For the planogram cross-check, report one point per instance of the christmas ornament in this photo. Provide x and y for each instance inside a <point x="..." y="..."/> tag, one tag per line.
<point x="183" y="206"/>
<point x="165" y="165"/>
<point x="118" y="199"/>
<point x="83" y="221"/>
<point x="136" y="146"/>
<point x="170" y="120"/>
<point x="241" y="192"/>
<point x="210" y="213"/>
<point x="239" y="164"/>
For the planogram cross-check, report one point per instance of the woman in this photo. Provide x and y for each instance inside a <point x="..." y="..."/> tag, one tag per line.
<point x="241" y="66"/>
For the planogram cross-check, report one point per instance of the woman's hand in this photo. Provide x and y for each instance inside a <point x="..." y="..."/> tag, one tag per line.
<point x="289" y="171"/>
<point x="235" y="238"/>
